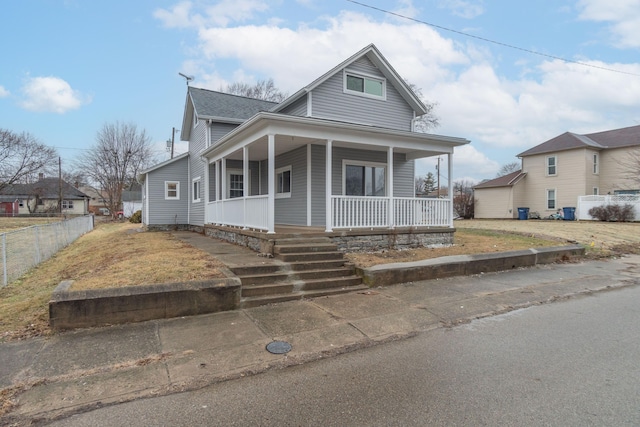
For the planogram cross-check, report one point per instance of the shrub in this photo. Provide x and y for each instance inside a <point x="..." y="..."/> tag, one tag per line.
<point x="136" y="218"/>
<point x="613" y="213"/>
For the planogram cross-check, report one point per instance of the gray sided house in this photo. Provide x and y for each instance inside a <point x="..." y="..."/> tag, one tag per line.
<point x="337" y="155"/>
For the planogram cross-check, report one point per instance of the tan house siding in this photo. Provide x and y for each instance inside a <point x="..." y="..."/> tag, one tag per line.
<point x="612" y="176"/>
<point x="494" y="203"/>
<point x="499" y="202"/>
<point x="568" y="182"/>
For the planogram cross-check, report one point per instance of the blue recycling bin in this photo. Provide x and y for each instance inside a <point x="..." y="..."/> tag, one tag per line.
<point x="523" y="213"/>
<point x="569" y="214"/>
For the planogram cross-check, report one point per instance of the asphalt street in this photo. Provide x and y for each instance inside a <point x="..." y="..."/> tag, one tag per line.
<point x="571" y="363"/>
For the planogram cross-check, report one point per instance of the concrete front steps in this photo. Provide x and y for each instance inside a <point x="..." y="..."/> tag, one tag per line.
<point x="308" y="268"/>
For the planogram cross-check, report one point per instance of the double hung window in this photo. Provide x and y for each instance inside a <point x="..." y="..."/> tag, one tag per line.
<point x="172" y="190"/>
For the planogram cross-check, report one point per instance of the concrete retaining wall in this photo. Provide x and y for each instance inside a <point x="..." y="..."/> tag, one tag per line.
<point x="461" y="265"/>
<point x="78" y="309"/>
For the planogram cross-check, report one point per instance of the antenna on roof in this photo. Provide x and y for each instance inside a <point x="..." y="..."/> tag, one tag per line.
<point x="188" y="78"/>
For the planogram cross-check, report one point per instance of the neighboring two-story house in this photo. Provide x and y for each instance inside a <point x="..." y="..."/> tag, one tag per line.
<point x="336" y="156"/>
<point x="556" y="173"/>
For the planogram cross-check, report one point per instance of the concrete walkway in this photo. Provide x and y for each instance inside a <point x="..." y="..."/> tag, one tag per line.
<point x="44" y="379"/>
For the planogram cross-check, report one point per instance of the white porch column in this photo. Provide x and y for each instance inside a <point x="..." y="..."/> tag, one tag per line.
<point x="327" y="180"/>
<point x="450" y="177"/>
<point x="271" y="184"/>
<point x="206" y="190"/>
<point x="309" y="206"/>
<point x="391" y="211"/>
<point x="223" y="186"/>
<point x="245" y="182"/>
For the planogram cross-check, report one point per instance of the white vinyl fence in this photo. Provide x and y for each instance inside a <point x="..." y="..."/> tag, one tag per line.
<point x="587" y="202"/>
<point x="25" y="248"/>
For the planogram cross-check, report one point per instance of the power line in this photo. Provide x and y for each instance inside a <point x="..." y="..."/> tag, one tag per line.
<point x="510" y="46"/>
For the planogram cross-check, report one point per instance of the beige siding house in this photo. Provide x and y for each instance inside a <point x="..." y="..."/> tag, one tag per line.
<point x="557" y="172"/>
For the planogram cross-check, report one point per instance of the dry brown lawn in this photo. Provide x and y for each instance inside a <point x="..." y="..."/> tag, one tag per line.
<point x="13" y="223"/>
<point x="114" y="254"/>
<point x="466" y="242"/>
<point x="117" y="254"/>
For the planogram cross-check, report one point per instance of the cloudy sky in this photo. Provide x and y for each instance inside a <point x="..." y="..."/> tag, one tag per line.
<point x="505" y="74"/>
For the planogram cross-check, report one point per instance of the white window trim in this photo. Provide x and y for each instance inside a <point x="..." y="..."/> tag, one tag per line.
<point x="555" y="199"/>
<point x="596" y="191"/>
<point x="346" y="162"/>
<point x="546" y="165"/>
<point x="228" y="183"/>
<point x="364" y="76"/>
<point x="596" y="164"/>
<point x="166" y="190"/>
<point x="278" y="172"/>
<point x="65" y="204"/>
<point x="198" y="180"/>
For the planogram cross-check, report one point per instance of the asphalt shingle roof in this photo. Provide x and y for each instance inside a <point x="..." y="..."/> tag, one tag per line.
<point x="616" y="138"/>
<point x="46" y="188"/>
<point x="502" y="181"/>
<point x="209" y="103"/>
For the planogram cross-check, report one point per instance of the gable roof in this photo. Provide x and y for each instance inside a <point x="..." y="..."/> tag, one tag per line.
<point x="374" y="55"/>
<point x="219" y="106"/>
<point x="141" y="175"/>
<point x="46" y="188"/>
<point x="507" y="180"/>
<point x="616" y="138"/>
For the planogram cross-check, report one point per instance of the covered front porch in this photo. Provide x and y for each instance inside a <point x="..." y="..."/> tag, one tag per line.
<point x="328" y="176"/>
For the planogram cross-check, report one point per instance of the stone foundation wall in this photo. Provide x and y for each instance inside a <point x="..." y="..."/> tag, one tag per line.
<point x="167" y="227"/>
<point x="236" y="238"/>
<point x="396" y="241"/>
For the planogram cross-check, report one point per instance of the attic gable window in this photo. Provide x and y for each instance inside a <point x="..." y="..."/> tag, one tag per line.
<point x="359" y="84"/>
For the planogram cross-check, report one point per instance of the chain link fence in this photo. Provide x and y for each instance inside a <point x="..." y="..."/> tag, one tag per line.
<point x="23" y="249"/>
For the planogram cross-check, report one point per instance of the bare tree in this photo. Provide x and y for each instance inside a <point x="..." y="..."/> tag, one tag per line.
<point x="630" y="166"/>
<point x="428" y="121"/>
<point x="263" y="89"/>
<point x="111" y="165"/>
<point x="508" y="168"/>
<point x="22" y="157"/>
<point x="463" y="198"/>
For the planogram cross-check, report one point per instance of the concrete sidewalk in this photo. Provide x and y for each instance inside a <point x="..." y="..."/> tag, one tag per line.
<point x="76" y="371"/>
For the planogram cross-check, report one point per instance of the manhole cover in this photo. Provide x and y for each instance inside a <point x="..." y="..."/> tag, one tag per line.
<point x="278" y="347"/>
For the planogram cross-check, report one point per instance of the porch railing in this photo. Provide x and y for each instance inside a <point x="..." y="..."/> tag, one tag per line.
<point x="250" y="212"/>
<point x="370" y="212"/>
<point x="346" y="212"/>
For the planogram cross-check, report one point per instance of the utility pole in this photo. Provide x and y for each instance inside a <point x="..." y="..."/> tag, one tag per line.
<point x="60" y="185"/>
<point x="173" y="135"/>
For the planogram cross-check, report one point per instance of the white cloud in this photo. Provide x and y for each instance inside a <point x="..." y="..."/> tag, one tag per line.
<point x="463" y="8"/>
<point x="623" y="16"/>
<point x="51" y="94"/>
<point x="501" y="115"/>
<point x="222" y="13"/>
<point x="3" y="92"/>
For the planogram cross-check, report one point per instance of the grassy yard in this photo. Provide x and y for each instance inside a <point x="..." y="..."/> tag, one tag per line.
<point x="114" y="254"/>
<point x="13" y="223"/>
<point x="118" y="254"/>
